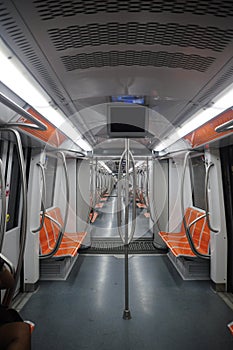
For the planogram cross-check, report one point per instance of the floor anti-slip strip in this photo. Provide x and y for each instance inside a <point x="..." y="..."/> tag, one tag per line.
<point x="115" y="246"/>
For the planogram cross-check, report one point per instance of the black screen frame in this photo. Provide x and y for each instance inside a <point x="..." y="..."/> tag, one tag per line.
<point x="128" y="125"/>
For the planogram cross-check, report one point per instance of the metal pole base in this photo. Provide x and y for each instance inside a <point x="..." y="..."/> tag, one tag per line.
<point x="127" y="315"/>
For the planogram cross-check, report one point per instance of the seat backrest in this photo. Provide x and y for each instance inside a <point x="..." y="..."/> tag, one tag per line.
<point x="190" y="215"/>
<point x="56" y="214"/>
<point x="50" y="230"/>
<point x="199" y="231"/>
<point x="201" y="235"/>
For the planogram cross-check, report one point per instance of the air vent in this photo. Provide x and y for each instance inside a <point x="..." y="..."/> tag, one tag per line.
<point x="135" y="33"/>
<point x="220" y="84"/>
<point x="208" y="95"/>
<point x="135" y="58"/>
<point x="14" y="32"/>
<point x="190" y="110"/>
<point x="66" y="8"/>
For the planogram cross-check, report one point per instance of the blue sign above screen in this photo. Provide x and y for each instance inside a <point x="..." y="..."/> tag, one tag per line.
<point x="129" y="99"/>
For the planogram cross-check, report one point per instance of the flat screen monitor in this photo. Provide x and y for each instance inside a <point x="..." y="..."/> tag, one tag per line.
<point x="127" y="121"/>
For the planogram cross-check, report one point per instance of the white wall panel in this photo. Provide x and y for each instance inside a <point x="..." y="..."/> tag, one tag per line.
<point x="218" y="242"/>
<point x="31" y="259"/>
<point x="158" y="182"/>
<point x="175" y="175"/>
<point x="71" y="221"/>
<point x="83" y="196"/>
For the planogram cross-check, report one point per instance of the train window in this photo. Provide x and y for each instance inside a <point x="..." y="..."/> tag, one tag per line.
<point x="50" y="176"/>
<point x="198" y="181"/>
<point x="13" y="192"/>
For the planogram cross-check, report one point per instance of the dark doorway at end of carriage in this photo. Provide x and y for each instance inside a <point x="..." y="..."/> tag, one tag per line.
<point x="227" y="175"/>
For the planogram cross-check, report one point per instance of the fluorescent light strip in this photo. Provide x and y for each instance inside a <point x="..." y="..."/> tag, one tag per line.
<point x="139" y="163"/>
<point x="167" y="142"/>
<point x="83" y="144"/>
<point x="14" y="75"/>
<point x="221" y="102"/>
<point x="105" y="166"/>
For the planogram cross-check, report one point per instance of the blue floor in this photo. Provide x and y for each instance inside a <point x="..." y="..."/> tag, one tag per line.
<point x="85" y="312"/>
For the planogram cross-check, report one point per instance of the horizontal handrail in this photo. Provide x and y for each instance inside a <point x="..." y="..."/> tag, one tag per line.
<point x="196" y="220"/>
<point x="53" y="220"/>
<point x="24" y="125"/>
<point x="225" y="126"/>
<point x="8" y="263"/>
<point x="15" y="107"/>
<point x="81" y="154"/>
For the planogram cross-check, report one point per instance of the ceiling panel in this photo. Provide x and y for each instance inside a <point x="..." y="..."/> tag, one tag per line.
<point x="179" y="54"/>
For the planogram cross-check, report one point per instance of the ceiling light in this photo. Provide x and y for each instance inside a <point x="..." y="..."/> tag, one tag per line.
<point x="83" y="144"/>
<point x="220" y="103"/>
<point x="14" y="75"/>
<point x="105" y="166"/>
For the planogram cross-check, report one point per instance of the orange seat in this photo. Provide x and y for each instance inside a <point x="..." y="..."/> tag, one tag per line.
<point x="99" y="206"/>
<point x="103" y="199"/>
<point x="230" y="326"/>
<point x="141" y="205"/>
<point x="178" y="242"/>
<point x="93" y="216"/>
<point x="139" y="197"/>
<point x="31" y="325"/>
<point x="48" y="235"/>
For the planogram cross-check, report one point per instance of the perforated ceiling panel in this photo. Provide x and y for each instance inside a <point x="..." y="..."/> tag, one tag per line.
<point x="205" y="97"/>
<point x="178" y="54"/>
<point x="133" y="33"/>
<point x="134" y="58"/>
<point x="52" y="9"/>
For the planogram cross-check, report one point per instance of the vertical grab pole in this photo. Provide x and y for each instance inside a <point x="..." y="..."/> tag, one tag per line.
<point x="148" y="190"/>
<point x="62" y="229"/>
<point x="92" y="184"/>
<point x="126" y="314"/>
<point x="147" y="185"/>
<point x="3" y="213"/>
<point x="126" y="237"/>
<point x="43" y="198"/>
<point x="96" y="182"/>
<point x="209" y="166"/>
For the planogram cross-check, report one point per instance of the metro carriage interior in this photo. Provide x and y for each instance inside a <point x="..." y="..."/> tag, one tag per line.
<point x="116" y="172"/>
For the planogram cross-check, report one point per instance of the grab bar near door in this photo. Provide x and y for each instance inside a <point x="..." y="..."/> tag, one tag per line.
<point x="209" y="166"/>
<point x="10" y="293"/>
<point x="187" y="227"/>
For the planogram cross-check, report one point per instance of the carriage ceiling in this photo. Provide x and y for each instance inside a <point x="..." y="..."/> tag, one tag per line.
<point x="178" y="54"/>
